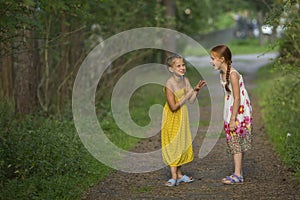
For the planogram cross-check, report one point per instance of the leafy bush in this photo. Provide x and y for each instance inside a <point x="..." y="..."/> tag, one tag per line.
<point x="280" y="106"/>
<point x="43" y="158"/>
<point x="281" y="92"/>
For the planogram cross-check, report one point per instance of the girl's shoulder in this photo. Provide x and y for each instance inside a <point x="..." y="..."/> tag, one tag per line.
<point x="169" y="81"/>
<point x="234" y="73"/>
<point x="169" y="84"/>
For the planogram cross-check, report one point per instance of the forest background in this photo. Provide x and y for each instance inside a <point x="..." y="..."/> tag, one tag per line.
<point x="43" y="44"/>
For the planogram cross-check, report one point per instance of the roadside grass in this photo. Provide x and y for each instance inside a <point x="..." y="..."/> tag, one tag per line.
<point x="195" y="51"/>
<point x="278" y="97"/>
<point x="43" y="158"/>
<point x="237" y="47"/>
<point x="250" y="46"/>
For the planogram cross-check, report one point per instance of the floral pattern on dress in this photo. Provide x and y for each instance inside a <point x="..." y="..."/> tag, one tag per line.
<point x="240" y="139"/>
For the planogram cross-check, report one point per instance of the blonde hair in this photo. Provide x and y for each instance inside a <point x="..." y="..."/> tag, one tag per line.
<point x="170" y="59"/>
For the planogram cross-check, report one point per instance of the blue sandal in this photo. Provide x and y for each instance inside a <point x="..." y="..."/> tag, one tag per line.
<point x="185" y="179"/>
<point x="233" y="179"/>
<point x="171" y="182"/>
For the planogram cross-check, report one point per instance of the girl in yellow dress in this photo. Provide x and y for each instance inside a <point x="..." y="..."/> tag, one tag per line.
<point x="175" y="133"/>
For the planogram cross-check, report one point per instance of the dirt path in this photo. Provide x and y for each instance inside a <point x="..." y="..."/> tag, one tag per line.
<point x="265" y="175"/>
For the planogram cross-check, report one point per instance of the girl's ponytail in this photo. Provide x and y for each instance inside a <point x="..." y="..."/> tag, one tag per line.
<point x="227" y="78"/>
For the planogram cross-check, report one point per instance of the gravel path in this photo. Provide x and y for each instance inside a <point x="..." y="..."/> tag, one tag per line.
<point x="265" y="175"/>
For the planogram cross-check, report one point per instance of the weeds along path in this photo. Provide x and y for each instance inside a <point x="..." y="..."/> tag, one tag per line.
<point x="265" y="175"/>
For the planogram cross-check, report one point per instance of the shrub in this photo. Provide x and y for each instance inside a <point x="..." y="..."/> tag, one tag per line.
<point x="279" y="100"/>
<point x="43" y="158"/>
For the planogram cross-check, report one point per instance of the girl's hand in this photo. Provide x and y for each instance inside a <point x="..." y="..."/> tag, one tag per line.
<point x="187" y="96"/>
<point x="232" y="125"/>
<point x="189" y="93"/>
<point x="200" y="85"/>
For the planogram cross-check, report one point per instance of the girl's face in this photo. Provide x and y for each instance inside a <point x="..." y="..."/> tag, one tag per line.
<point x="215" y="61"/>
<point x="178" y="67"/>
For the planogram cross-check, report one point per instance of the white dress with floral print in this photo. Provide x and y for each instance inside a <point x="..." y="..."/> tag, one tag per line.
<point x="239" y="140"/>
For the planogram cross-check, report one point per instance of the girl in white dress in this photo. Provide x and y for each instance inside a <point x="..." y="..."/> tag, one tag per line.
<point x="237" y="110"/>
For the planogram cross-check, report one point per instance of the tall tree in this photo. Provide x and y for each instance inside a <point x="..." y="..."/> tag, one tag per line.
<point x="170" y="16"/>
<point x="18" y="39"/>
<point x="26" y="73"/>
<point x="6" y="71"/>
<point x="9" y="23"/>
<point x="26" y="67"/>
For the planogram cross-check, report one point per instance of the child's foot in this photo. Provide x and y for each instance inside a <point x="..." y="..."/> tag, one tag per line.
<point x="171" y="182"/>
<point x="185" y="179"/>
<point x="233" y="179"/>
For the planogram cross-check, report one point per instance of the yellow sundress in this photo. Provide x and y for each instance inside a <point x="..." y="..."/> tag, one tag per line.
<point x="176" y="136"/>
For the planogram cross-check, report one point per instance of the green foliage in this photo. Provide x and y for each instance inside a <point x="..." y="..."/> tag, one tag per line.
<point x="286" y="14"/>
<point x="224" y="21"/>
<point x="118" y="16"/>
<point x="280" y="90"/>
<point x="115" y="134"/>
<point x="43" y="158"/>
<point x="138" y="107"/>
<point x="279" y="97"/>
<point x="65" y="34"/>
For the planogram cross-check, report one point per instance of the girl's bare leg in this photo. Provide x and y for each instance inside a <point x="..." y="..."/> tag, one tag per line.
<point x="179" y="172"/>
<point x="237" y="158"/>
<point x="173" y="172"/>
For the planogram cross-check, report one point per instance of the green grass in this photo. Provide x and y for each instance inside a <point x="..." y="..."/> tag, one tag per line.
<point x="195" y="51"/>
<point x="237" y="47"/>
<point x="249" y="46"/>
<point x="43" y="158"/>
<point x="281" y="114"/>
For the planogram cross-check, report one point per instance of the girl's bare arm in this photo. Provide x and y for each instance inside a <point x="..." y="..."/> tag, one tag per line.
<point x="171" y="98"/>
<point x="199" y="85"/>
<point x="234" y="79"/>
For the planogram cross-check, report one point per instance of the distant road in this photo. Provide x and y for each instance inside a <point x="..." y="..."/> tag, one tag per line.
<point x="249" y="63"/>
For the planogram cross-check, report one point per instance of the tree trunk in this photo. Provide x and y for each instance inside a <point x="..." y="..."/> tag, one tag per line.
<point x="260" y="20"/>
<point x="43" y="88"/>
<point x="6" y="71"/>
<point x="169" y="40"/>
<point x="64" y="63"/>
<point x="26" y="73"/>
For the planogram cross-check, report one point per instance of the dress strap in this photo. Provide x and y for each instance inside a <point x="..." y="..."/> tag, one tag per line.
<point x="234" y="71"/>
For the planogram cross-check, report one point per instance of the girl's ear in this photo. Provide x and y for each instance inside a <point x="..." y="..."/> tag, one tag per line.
<point x="222" y="59"/>
<point x="170" y="69"/>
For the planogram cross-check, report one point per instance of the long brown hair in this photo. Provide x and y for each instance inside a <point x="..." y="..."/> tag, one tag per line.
<point x="224" y="51"/>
